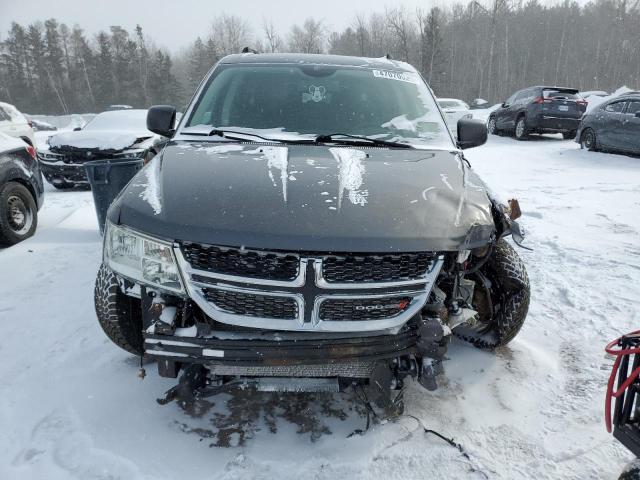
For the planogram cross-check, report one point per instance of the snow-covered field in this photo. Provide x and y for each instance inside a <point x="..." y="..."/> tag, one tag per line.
<point x="72" y="405"/>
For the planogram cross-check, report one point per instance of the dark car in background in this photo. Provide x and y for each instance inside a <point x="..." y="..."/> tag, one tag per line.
<point x="539" y="110"/>
<point x="110" y="135"/>
<point x="613" y="125"/>
<point x="21" y="190"/>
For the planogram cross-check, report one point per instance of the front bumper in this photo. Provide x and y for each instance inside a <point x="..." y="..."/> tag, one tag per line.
<point x="289" y="350"/>
<point x="60" y="172"/>
<point x="558" y="124"/>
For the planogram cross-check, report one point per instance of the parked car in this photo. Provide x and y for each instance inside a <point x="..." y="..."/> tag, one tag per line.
<point x="109" y="135"/>
<point x="21" y="190"/>
<point x="15" y="124"/>
<point x="311" y="225"/>
<point x="119" y="107"/>
<point x="593" y="93"/>
<point x="478" y="104"/>
<point x="41" y="125"/>
<point x="539" y="110"/>
<point x="613" y="125"/>
<point x="454" y="110"/>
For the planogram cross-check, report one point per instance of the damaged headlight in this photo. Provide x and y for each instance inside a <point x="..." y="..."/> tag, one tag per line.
<point x="141" y="258"/>
<point x="133" y="153"/>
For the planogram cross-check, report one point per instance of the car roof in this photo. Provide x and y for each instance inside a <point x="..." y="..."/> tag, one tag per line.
<point x="317" y="59"/>
<point x="549" y="87"/>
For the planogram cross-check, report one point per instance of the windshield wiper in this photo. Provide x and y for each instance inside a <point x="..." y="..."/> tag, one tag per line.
<point x="330" y="138"/>
<point x="240" y="135"/>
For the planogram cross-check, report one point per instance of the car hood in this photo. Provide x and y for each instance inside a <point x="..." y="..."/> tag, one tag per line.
<point x="97" y="140"/>
<point x="308" y="198"/>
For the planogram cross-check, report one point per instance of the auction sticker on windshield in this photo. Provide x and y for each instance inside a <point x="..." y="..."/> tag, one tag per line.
<point x="401" y="76"/>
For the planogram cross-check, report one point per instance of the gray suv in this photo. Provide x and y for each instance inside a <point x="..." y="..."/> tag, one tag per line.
<point x="312" y="225"/>
<point x="539" y="110"/>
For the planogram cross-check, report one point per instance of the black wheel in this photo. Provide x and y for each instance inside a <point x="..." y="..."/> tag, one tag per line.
<point x="491" y="126"/>
<point x="521" y="132"/>
<point x="588" y="140"/>
<point x="569" y="135"/>
<point x="18" y="213"/>
<point x="632" y="472"/>
<point x="119" y="315"/>
<point x="501" y="298"/>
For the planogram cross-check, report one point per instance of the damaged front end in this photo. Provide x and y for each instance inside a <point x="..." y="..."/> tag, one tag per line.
<point x="283" y="321"/>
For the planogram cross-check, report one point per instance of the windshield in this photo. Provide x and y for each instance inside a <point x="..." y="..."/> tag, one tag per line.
<point x="450" y="104"/>
<point x="279" y="100"/>
<point x="119" y="120"/>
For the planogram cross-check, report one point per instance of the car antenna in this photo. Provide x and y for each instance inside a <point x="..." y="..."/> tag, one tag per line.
<point x="248" y="50"/>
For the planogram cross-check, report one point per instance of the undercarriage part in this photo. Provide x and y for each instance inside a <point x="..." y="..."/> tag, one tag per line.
<point x="357" y="369"/>
<point x="501" y="298"/>
<point x="431" y="348"/>
<point x="118" y="314"/>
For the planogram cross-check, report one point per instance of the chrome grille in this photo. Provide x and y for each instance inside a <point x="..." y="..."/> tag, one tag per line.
<point x="340" y="293"/>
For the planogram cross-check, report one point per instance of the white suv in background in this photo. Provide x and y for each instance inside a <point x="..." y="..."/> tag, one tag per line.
<point x="454" y="110"/>
<point x="15" y="124"/>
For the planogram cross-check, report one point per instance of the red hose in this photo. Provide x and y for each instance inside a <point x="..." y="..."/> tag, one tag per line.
<point x="618" y="353"/>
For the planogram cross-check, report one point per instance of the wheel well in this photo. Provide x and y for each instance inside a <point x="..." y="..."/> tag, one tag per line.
<point x="28" y="186"/>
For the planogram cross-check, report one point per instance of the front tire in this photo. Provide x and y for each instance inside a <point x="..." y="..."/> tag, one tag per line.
<point x="18" y="213"/>
<point x="521" y="132"/>
<point x="588" y="140"/>
<point x="501" y="298"/>
<point x="119" y="315"/>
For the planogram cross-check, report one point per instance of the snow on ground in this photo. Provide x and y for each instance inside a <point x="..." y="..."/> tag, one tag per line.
<point x="72" y="406"/>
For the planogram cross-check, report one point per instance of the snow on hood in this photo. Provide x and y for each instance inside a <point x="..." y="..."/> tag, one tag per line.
<point x="98" y="140"/>
<point x="8" y="143"/>
<point x="350" y="175"/>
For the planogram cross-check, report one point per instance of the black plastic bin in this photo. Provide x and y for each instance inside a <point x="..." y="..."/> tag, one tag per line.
<point x="107" y="178"/>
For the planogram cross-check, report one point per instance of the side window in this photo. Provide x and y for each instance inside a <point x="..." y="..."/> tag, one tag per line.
<point x="522" y="97"/>
<point x="633" y="107"/>
<point x="615" y="107"/>
<point x="511" y="99"/>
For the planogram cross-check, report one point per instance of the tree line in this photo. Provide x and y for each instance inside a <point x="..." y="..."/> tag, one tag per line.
<point x="477" y="49"/>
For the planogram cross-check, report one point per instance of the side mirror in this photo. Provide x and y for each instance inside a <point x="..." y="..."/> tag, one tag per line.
<point x="77" y="129"/>
<point x="161" y="119"/>
<point x="471" y="133"/>
<point x="505" y="105"/>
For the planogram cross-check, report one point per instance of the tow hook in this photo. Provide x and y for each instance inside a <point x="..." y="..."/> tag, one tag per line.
<point x="433" y="339"/>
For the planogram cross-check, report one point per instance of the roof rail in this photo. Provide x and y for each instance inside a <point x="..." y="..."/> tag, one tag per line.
<point x="248" y="50"/>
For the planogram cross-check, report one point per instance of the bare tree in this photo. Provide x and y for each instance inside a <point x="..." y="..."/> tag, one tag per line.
<point x="310" y="38"/>
<point x="274" y="41"/>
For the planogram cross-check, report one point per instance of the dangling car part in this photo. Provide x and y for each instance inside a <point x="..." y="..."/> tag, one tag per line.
<point x="297" y="259"/>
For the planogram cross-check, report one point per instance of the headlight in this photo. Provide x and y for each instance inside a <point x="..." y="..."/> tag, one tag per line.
<point x="47" y="155"/>
<point x="468" y="116"/>
<point x="141" y="258"/>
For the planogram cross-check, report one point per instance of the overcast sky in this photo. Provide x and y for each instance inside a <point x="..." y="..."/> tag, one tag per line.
<point x="174" y="24"/>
